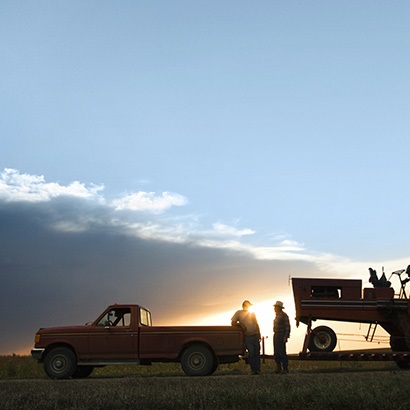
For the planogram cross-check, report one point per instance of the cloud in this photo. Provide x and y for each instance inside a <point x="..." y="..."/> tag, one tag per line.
<point x="96" y="211"/>
<point x="16" y="187"/>
<point x="67" y="253"/>
<point x="149" y="201"/>
<point x="91" y="210"/>
<point x="159" y="232"/>
<point x="231" y="231"/>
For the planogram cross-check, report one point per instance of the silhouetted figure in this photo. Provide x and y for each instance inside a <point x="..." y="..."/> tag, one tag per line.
<point x="281" y="333"/>
<point x="252" y="335"/>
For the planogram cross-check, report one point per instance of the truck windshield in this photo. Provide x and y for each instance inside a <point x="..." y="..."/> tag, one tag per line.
<point x="145" y="316"/>
<point x="116" y="317"/>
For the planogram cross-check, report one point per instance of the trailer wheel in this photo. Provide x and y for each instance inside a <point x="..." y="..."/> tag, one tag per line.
<point x="402" y="364"/>
<point x="198" y="360"/>
<point x="399" y="344"/>
<point x="60" y="363"/>
<point x="408" y="338"/>
<point x="322" y="339"/>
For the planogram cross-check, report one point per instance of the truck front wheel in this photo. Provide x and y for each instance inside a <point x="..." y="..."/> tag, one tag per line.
<point x="198" y="360"/>
<point x="60" y="363"/>
<point x="322" y="339"/>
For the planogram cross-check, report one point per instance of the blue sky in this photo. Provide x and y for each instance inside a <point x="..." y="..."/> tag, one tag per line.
<point x="242" y="142"/>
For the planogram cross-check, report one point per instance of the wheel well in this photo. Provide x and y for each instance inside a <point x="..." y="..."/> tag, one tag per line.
<point x="54" y="345"/>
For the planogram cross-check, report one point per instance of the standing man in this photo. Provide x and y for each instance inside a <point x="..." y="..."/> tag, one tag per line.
<point x="281" y="330"/>
<point x="252" y="335"/>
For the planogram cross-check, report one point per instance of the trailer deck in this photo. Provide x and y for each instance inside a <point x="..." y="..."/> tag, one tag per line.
<point x="381" y="355"/>
<point x="352" y="356"/>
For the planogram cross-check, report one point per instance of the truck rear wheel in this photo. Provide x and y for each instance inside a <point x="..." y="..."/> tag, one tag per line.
<point x="322" y="339"/>
<point x="60" y="363"/>
<point x="198" y="360"/>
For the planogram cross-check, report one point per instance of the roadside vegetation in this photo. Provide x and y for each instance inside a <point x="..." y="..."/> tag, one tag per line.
<point x="309" y="385"/>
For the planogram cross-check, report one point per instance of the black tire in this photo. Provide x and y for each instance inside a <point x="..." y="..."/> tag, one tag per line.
<point x="322" y="339"/>
<point x="402" y="364"/>
<point x="198" y="360"/>
<point x="399" y="344"/>
<point x="407" y="338"/>
<point x="214" y="367"/>
<point x="82" y="372"/>
<point x="60" y="363"/>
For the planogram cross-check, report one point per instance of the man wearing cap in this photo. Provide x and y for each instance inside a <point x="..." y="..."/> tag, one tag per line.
<point x="252" y="335"/>
<point x="281" y="330"/>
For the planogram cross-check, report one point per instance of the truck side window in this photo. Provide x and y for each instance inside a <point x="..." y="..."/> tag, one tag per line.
<point x="125" y="319"/>
<point x="145" y="316"/>
<point x="116" y="317"/>
<point x="325" y="292"/>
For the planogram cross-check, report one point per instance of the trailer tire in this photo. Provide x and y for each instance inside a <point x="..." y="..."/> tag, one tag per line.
<point x="60" y="363"/>
<point x="322" y="339"/>
<point x="402" y="364"/>
<point x="198" y="360"/>
<point x="408" y="338"/>
<point x="398" y="344"/>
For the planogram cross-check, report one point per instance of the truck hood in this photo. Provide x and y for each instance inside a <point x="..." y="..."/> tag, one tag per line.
<point x="64" y="329"/>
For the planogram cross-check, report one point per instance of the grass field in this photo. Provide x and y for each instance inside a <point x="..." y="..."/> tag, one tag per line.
<point x="309" y="385"/>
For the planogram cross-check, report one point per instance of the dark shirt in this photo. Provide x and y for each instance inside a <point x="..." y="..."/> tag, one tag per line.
<point x="281" y="324"/>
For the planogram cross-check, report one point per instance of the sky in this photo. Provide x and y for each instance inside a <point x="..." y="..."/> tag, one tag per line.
<point x="189" y="155"/>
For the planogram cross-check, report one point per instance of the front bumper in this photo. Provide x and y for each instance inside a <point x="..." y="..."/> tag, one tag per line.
<point x="37" y="354"/>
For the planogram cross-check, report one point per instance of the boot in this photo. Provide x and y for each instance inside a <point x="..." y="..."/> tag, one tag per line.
<point x="285" y="370"/>
<point x="278" y="368"/>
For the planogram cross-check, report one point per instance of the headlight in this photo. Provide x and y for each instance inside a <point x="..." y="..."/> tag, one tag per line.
<point x="37" y="338"/>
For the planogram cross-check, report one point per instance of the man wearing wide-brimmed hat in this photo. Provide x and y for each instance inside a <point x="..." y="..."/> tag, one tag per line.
<point x="281" y="330"/>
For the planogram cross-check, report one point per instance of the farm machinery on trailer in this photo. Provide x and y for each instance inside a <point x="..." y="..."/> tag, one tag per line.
<point x="344" y="300"/>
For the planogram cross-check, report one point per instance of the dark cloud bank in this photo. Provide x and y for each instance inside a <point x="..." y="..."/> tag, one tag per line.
<point x="50" y="277"/>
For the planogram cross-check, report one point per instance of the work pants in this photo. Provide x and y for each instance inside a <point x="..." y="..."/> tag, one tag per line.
<point x="279" y="349"/>
<point x="254" y="350"/>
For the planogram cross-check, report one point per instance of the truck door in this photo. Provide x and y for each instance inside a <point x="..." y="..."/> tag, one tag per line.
<point x="113" y="336"/>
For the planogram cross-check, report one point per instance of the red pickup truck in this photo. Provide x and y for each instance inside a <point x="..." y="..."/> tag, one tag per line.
<point x="124" y="334"/>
